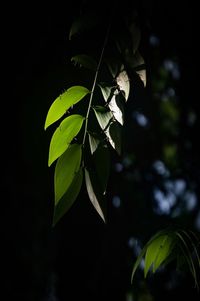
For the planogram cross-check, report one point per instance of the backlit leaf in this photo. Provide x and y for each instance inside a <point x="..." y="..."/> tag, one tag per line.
<point x="69" y="197"/>
<point x="164" y="251"/>
<point x="97" y="200"/>
<point x="94" y="142"/>
<point x="63" y="136"/>
<point x="124" y="83"/>
<point x="64" y="102"/>
<point x="66" y="168"/>
<point x="116" y="105"/>
<point x="106" y="91"/>
<point x="152" y="252"/>
<point x="85" y="61"/>
<point x="103" y="115"/>
<point x="142" y="76"/>
<point x="143" y="251"/>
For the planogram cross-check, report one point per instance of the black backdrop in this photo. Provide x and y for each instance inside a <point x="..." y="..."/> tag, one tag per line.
<point x="81" y="257"/>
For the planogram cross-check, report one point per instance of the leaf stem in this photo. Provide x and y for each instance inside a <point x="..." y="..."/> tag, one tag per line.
<point x="94" y="83"/>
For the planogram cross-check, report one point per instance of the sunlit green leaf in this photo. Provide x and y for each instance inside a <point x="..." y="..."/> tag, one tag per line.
<point x="143" y="251"/>
<point x="164" y="251"/>
<point x="64" y="102"/>
<point x="152" y="252"/>
<point x="97" y="200"/>
<point x="85" y="61"/>
<point x="103" y="115"/>
<point x="66" y="168"/>
<point x="63" y="136"/>
<point x="69" y="197"/>
<point x="167" y="245"/>
<point x="123" y="82"/>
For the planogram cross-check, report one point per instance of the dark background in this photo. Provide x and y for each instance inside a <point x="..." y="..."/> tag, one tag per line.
<point x="82" y="257"/>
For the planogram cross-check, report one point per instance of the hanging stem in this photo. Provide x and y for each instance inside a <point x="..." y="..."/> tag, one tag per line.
<point x="94" y="83"/>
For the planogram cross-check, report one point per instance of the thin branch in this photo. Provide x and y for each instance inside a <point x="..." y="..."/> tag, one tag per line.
<point x="94" y="83"/>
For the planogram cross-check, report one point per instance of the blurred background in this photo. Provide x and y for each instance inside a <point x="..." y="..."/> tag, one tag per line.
<point x="154" y="183"/>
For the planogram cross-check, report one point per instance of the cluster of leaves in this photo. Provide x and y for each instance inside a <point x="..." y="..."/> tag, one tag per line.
<point x="168" y="245"/>
<point x="82" y="142"/>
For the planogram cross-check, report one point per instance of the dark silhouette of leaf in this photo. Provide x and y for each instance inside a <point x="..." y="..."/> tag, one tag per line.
<point x="85" y="61"/>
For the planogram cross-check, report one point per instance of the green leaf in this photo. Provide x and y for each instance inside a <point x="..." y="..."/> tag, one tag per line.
<point x="114" y="134"/>
<point x="97" y="200"/>
<point x="85" y="61"/>
<point x="93" y="141"/>
<point x="138" y="261"/>
<point x="63" y="136"/>
<point x="64" y="102"/>
<point x="66" y="168"/>
<point x="152" y="252"/>
<point x="102" y="166"/>
<point x="164" y="251"/>
<point x="124" y="83"/>
<point x="142" y="253"/>
<point x="69" y="197"/>
<point x="103" y="115"/>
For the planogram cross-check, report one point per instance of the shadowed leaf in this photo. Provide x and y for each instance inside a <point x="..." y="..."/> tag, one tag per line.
<point x="102" y="166"/>
<point x="85" y="61"/>
<point x="114" y="134"/>
<point x="83" y="23"/>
